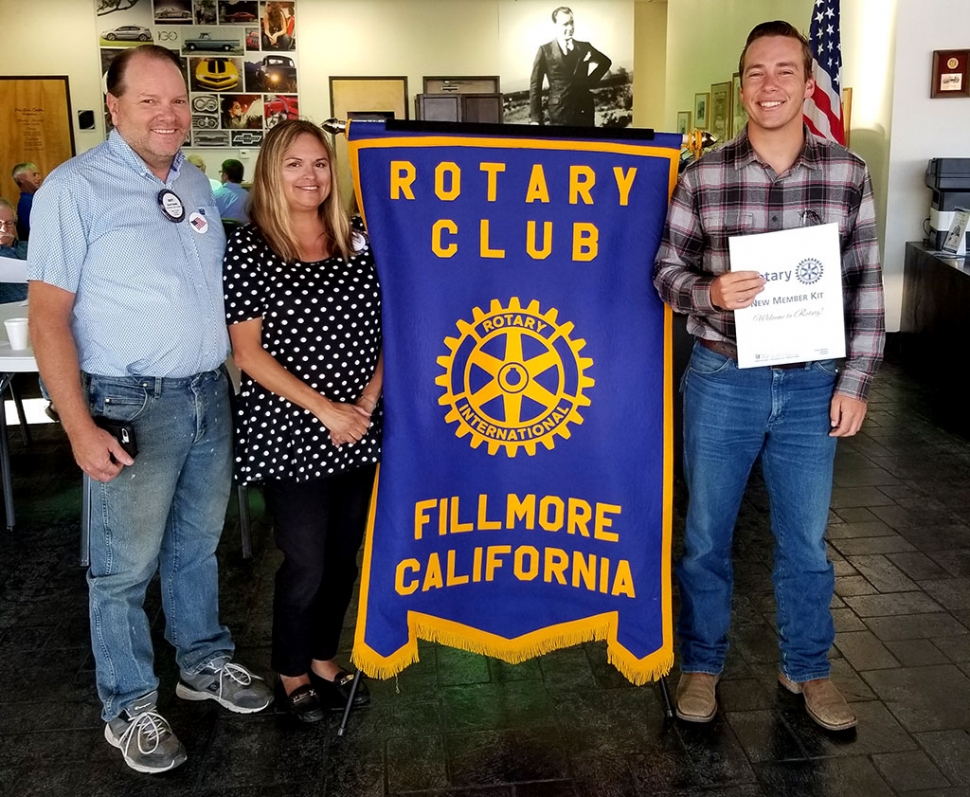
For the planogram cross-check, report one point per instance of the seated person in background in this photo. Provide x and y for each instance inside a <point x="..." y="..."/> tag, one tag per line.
<point x="28" y="180"/>
<point x="196" y="160"/>
<point x="10" y="246"/>
<point x="231" y="198"/>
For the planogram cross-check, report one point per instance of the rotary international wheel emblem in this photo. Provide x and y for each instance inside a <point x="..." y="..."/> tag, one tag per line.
<point x="809" y="271"/>
<point x="514" y="378"/>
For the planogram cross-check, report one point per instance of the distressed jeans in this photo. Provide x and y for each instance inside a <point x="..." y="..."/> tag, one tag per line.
<point x="165" y="513"/>
<point x="731" y="417"/>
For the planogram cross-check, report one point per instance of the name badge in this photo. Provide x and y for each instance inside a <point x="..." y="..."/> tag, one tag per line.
<point x="171" y="205"/>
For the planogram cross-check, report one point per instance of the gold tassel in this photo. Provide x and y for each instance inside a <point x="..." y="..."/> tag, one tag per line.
<point x="514" y="651"/>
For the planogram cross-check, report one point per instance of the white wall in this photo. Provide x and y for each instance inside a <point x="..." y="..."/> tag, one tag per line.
<point x="923" y="128"/>
<point x="650" y="54"/>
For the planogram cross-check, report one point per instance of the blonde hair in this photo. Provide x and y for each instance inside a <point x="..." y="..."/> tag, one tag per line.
<point x="268" y="209"/>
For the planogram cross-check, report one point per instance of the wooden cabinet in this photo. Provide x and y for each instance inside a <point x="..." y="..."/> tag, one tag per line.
<point x="459" y="107"/>
<point x="936" y="295"/>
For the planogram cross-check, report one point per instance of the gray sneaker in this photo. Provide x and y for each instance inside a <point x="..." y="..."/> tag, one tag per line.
<point x="145" y="738"/>
<point x="230" y="685"/>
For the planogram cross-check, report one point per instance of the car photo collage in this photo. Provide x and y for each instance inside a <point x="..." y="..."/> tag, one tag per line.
<point x="239" y="59"/>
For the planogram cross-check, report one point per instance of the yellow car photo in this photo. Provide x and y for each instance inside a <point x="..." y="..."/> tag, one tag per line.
<point x="217" y="73"/>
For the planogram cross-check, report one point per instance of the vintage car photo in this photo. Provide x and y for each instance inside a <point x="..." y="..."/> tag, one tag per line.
<point x="210" y="138"/>
<point x="272" y="72"/>
<point x="212" y="41"/>
<point x="205" y="103"/>
<point x="238" y="12"/>
<point x="278" y="107"/>
<point x="173" y="11"/>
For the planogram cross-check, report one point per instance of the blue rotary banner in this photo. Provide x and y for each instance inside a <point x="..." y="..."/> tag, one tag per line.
<point x="524" y="497"/>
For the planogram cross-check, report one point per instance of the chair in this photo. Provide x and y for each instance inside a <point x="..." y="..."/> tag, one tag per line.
<point x="242" y="490"/>
<point x="5" y="461"/>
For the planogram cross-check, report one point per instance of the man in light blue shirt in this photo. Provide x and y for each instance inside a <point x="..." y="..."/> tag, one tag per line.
<point x="231" y="198"/>
<point x="126" y="318"/>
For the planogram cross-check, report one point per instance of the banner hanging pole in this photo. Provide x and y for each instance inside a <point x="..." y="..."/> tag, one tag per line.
<point x="695" y="140"/>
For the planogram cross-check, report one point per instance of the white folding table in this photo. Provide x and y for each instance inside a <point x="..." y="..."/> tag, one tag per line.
<point x="12" y="361"/>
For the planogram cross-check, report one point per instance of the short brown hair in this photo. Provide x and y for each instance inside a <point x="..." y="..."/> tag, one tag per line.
<point x="777" y="27"/>
<point x="115" y="80"/>
<point x="268" y="210"/>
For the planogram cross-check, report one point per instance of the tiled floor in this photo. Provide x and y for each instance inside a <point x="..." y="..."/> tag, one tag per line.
<point x="566" y="724"/>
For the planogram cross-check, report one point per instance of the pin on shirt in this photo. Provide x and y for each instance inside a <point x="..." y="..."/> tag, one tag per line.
<point x="171" y="205"/>
<point x="199" y="222"/>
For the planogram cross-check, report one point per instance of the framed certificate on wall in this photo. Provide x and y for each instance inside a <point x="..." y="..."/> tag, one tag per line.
<point x="950" y="74"/>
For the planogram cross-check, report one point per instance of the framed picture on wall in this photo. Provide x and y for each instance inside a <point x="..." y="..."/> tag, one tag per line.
<point x="683" y="121"/>
<point x="951" y="77"/>
<point x="369" y="94"/>
<point x="719" y="112"/>
<point x="739" y="117"/>
<point x="701" y="101"/>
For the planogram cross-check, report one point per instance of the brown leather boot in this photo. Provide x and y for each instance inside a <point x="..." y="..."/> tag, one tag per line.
<point x="823" y="702"/>
<point x="696" y="700"/>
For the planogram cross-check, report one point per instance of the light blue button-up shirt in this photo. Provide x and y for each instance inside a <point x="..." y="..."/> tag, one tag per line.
<point x="148" y="291"/>
<point x="233" y="202"/>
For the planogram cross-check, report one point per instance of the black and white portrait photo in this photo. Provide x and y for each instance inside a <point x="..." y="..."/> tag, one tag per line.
<point x="579" y="71"/>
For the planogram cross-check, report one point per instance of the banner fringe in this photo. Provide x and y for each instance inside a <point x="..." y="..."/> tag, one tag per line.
<point x="383" y="667"/>
<point x="637" y="671"/>
<point x="657" y="667"/>
<point x="513" y="653"/>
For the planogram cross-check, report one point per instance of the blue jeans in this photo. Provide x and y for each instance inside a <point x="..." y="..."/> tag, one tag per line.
<point x="731" y="417"/>
<point x="165" y="513"/>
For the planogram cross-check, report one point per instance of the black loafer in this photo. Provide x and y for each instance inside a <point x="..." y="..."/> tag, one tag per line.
<point x="303" y="703"/>
<point x="335" y="693"/>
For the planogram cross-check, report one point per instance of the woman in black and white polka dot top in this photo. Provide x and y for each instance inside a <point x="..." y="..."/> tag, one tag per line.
<point x="304" y="312"/>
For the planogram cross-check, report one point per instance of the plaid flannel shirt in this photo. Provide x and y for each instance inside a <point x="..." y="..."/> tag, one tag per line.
<point x="730" y="192"/>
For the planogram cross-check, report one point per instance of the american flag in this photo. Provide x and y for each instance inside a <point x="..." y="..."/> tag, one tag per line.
<point x="823" y="110"/>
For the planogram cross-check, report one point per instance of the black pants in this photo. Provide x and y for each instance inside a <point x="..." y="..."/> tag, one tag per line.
<point x="319" y="526"/>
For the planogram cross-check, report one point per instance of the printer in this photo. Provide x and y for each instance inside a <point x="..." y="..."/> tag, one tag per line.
<point x="949" y="179"/>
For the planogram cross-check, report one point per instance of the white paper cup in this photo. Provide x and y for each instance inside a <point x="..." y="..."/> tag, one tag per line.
<point x="16" y="332"/>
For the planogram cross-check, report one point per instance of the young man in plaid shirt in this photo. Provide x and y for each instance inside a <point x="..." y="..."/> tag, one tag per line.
<point x="774" y="176"/>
